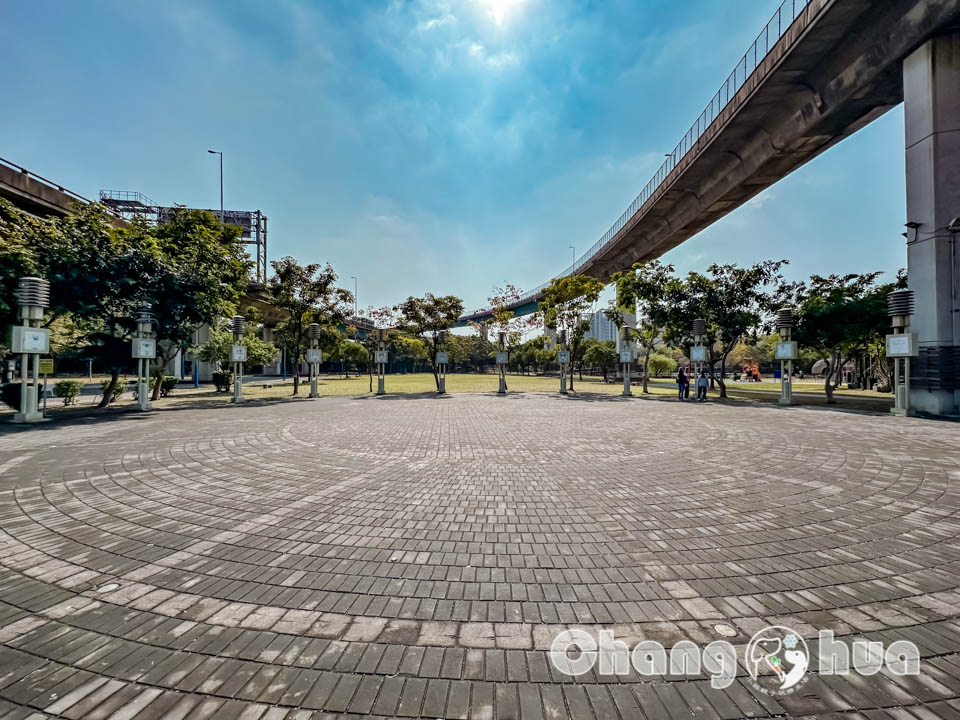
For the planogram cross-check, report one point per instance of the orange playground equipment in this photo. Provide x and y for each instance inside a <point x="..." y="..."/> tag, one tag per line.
<point x="750" y="370"/>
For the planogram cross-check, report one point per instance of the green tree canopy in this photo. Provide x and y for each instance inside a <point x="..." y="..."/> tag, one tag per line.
<point x="424" y="318"/>
<point x="308" y="293"/>
<point x="564" y="307"/>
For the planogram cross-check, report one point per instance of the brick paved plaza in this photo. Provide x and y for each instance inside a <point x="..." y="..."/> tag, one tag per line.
<point x="415" y="556"/>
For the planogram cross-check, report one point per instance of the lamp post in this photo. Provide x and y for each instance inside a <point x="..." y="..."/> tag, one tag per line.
<point x="144" y="350"/>
<point x="698" y="353"/>
<point x="381" y="358"/>
<point x="901" y="346"/>
<point x="218" y="152"/>
<point x="786" y="354"/>
<point x="355" y="309"/>
<point x="573" y="256"/>
<point x="563" y="358"/>
<point x="443" y="357"/>
<point x="238" y="355"/>
<point x="33" y="296"/>
<point x="314" y="357"/>
<point x="502" y="359"/>
<point x="626" y="360"/>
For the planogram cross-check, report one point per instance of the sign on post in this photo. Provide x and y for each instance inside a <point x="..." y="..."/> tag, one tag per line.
<point x="381" y="357"/>
<point x="314" y="355"/>
<point x="238" y="353"/>
<point x="786" y="350"/>
<point x="46" y="366"/>
<point x="626" y="356"/>
<point x="144" y="348"/>
<point x="902" y="345"/>
<point x="563" y="357"/>
<point x="443" y="358"/>
<point x="30" y="340"/>
<point x="502" y="358"/>
<point x="698" y="353"/>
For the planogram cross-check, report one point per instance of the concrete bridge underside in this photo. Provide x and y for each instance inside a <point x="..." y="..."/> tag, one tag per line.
<point x="840" y="65"/>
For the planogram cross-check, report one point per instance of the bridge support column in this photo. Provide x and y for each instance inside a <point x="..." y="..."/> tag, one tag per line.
<point x="931" y="76"/>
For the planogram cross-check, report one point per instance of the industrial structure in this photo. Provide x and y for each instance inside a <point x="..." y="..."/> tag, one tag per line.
<point x="129" y="204"/>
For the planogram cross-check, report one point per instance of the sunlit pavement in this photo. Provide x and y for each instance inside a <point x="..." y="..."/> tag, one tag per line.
<point x="415" y="557"/>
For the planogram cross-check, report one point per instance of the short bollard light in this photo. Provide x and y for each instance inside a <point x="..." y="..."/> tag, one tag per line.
<point x="29" y="340"/>
<point x="381" y="358"/>
<point x="144" y="349"/>
<point x="563" y="358"/>
<point x="786" y="353"/>
<point x="314" y="356"/>
<point x="626" y="360"/>
<point x="901" y="346"/>
<point x="502" y="359"/>
<point x="443" y="359"/>
<point x="238" y="355"/>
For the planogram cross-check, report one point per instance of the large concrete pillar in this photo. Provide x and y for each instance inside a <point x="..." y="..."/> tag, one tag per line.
<point x="931" y="81"/>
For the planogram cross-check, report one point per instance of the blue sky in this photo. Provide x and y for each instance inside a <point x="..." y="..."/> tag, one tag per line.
<point x="430" y="145"/>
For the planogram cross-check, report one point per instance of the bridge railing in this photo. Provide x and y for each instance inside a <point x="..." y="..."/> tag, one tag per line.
<point x="45" y="181"/>
<point x="782" y="19"/>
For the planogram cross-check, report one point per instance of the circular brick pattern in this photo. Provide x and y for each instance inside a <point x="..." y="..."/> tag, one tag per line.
<point x="415" y="557"/>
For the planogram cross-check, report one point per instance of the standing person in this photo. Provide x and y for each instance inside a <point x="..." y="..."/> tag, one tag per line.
<point x="681" y="382"/>
<point x="702" y="384"/>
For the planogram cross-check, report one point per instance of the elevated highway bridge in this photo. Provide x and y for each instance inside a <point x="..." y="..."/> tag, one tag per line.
<point x="818" y="72"/>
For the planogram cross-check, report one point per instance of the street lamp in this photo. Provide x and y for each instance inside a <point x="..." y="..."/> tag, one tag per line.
<point x="314" y="356"/>
<point x="27" y="340"/>
<point x="355" y="311"/>
<point x="144" y="350"/>
<point x="238" y="354"/>
<point x="786" y="353"/>
<point x="901" y="346"/>
<point x="218" y="152"/>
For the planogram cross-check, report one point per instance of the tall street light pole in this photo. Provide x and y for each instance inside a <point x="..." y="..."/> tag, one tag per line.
<point x="573" y="256"/>
<point x="355" y="311"/>
<point x="218" y="152"/>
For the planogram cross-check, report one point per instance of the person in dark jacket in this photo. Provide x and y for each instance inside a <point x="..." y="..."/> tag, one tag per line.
<point x="681" y="383"/>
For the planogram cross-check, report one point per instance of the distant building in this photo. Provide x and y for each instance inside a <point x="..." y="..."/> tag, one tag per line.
<point x="601" y="327"/>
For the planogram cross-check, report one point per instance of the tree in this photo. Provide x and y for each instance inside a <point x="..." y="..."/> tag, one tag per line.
<point x="734" y="302"/>
<point x="203" y="271"/>
<point x="97" y="275"/>
<point x="565" y="303"/>
<point x="308" y="293"/>
<point x="659" y="364"/>
<point x="426" y="317"/>
<point x="602" y="355"/>
<point x="217" y="349"/>
<point x="383" y="318"/>
<point x="838" y="316"/>
<point x="643" y="290"/>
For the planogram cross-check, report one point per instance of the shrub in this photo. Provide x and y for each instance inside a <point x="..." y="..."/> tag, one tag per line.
<point x="118" y="391"/>
<point x="660" y="364"/>
<point x="68" y="390"/>
<point x="167" y="385"/>
<point x="223" y="379"/>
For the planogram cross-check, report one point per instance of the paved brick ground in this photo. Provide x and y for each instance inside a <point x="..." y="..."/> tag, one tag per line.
<point x="414" y="557"/>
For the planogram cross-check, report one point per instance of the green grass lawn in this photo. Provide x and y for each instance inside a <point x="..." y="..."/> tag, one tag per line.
<point x="419" y="383"/>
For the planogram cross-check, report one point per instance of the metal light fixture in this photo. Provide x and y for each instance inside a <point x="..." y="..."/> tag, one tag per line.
<point x="33" y="297"/>
<point x="901" y="346"/>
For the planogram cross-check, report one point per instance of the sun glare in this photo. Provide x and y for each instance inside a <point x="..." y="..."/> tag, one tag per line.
<point x="499" y="9"/>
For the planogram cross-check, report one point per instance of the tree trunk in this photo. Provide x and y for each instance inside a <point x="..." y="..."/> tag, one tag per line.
<point x="157" y="382"/>
<point x="296" y="382"/>
<point x="108" y="393"/>
<point x="646" y="370"/>
<point x="713" y="374"/>
<point x="827" y="380"/>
